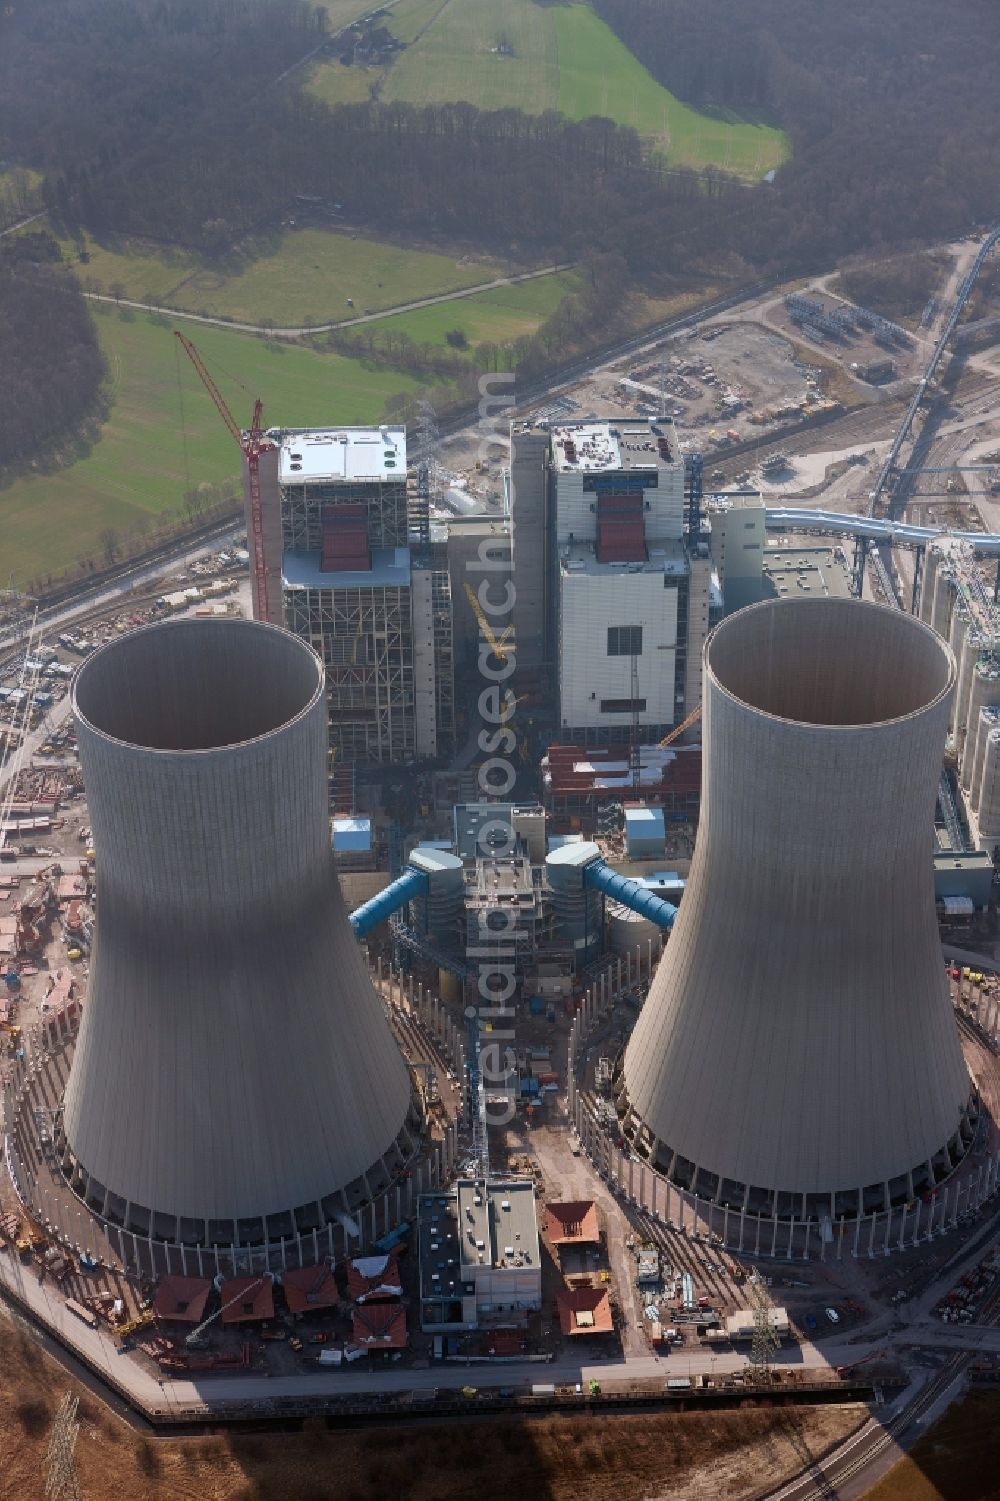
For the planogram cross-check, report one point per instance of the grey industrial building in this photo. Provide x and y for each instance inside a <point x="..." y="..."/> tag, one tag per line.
<point x="235" y="1079"/>
<point x="797" y="1054"/>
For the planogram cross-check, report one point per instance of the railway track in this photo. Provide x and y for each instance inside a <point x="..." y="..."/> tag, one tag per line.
<point x="870" y="1443"/>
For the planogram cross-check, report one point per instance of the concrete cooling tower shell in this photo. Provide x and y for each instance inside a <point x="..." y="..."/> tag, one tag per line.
<point x="235" y="1077"/>
<point x="797" y="1051"/>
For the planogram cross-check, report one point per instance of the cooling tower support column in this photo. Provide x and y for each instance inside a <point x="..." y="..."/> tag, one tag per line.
<point x="235" y="1079"/>
<point x="797" y="1053"/>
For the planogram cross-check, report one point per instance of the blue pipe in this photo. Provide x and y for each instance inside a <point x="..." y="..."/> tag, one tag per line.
<point x="411" y="884"/>
<point x="632" y="894"/>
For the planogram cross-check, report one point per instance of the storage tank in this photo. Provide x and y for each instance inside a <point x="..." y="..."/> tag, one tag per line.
<point x="944" y="597"/>
<point x="235" y="1078"/>
<point x="626" y="929"/>
<point x="932" y="562"/>
<point x="438" y="912"/>
<point x="989" y="795"/>
<point x="798" y="1053"/>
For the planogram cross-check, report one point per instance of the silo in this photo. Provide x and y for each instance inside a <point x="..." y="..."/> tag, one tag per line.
<point x="797" y="1053"/>
<point x="932" y="561"/>
<point x="985" y="693"/>
<point x="626" y="929"/>
<point x="944" y="597"/>
<point x="235" y="1078"/>
<point x="438" y="912"/>
<point x="577" y="907"/>
<point x="989" y="794"/>
<point x="972" y="646"/>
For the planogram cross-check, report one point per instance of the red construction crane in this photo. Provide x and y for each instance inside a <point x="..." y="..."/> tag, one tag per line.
<point x="253" y="442"/>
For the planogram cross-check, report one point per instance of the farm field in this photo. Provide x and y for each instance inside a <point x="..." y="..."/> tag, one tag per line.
<point x="561" y="57"/>
<point x="955" y="1460"/>
<point x="309" y="274"/>
<point x="497" y="316"/>
<point x="164" y="436"/>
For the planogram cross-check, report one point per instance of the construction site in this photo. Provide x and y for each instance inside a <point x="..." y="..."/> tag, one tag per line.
<point x="401" y="904"/>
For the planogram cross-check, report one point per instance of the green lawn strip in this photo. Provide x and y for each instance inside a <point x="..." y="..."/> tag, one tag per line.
<point x="163" y="436"/>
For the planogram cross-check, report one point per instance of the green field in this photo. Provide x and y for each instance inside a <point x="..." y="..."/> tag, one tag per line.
<point x="562" y="57"/>
<point x="164" y="436"/>
<point x="309" y="275"/>
<point x="498" y="316"/>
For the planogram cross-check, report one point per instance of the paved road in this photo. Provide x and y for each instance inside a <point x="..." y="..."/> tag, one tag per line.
<point x="323" y="328"/>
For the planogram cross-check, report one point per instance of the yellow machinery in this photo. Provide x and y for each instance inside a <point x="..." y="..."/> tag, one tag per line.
<point x="679" y="729"/>
<point x="497" y="644"/>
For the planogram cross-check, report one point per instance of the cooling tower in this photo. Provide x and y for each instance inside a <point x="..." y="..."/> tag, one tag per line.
<point x="797" y="1053"/>
<point x="235" y="1078"/>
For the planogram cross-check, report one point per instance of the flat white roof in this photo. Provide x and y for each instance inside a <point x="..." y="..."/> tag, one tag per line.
<point x="342" y="453"/>
<point x="592" y="446"/>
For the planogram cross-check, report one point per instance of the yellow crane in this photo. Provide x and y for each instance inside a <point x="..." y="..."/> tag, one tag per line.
<point x="497" y="644"/>
<point x="679" y="729"/>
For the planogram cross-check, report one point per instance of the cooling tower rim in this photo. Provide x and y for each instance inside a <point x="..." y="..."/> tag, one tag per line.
<point x="233" y="625"/>
<point x="831" y="604"/>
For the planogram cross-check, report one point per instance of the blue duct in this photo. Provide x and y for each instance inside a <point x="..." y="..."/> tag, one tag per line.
<point x="632" y="894"/>
<point x="411" y="884"/>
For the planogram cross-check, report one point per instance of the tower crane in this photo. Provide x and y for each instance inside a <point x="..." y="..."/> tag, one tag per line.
<point x="679" y="729"/>
<point x="497" y="644"/>
<point x="253" y="442"/>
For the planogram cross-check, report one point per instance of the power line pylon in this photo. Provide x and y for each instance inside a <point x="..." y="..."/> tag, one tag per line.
<point x="61" y="1480"/>
<point x="765" y="1341"/>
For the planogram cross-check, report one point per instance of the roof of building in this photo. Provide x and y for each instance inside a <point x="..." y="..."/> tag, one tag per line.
<point x="641" y="821"/>
<point x="585" y="1310"/>
<point x="498" y="1224"/>
<point x="370" y="1278"/>
<point x="247" y="1299"/>
<point x="380" y="1326"/>
<point x="572" y="769"/>
<point x="352" y="834"/>
<point x="441" y="1275"/>
<point x="580" y="559"/>
<point x="390" y="567"/>
<point x="589" y="447"/>
<point x="309" y="1287"/>
<point x="181" y="1299"/>
<point x="572" y="1223"/>
<point x="310" y="455"/>
<point x="801" y="572"/>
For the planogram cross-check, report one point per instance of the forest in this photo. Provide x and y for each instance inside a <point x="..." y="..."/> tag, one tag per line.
<point x="52" y="367"/>
<point x="169" y="119"/>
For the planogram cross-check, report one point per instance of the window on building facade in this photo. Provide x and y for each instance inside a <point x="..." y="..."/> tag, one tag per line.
<point x="624" y="640"/>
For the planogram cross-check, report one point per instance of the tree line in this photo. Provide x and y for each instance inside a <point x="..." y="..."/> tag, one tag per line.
<point x="52" y="368"/>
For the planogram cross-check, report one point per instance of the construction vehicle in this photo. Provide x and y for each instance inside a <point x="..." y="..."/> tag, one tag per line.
<point x="142" y="1320"/>
<point x="497" y="644"/>
<point x="253" y="442"/>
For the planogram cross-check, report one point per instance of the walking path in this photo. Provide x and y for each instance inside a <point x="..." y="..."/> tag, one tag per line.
<point x="323" y="328"/>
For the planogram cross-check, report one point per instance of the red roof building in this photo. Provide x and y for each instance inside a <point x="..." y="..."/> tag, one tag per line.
<point x="181" y="1300"/>
<point x="585" y="1310"/>
<point x="576" y="778"/>
<point x="380" y="1326"/>
<point x="309" y="1288"/>
<point x="370" y="1278"/>
<point x="573" y="1223"/>
<point x="247" y="1300"/>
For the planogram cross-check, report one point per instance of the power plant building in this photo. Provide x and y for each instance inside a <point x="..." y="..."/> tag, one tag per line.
<point x="356" y="583"/>
<point x="615" y="587"/>
<point x="235" y="1080"/>
<point x="797" y="1055"/>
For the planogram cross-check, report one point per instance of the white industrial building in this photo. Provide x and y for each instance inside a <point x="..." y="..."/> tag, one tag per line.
<point x="634" y="592"/>
<point x="480" y="1262"/>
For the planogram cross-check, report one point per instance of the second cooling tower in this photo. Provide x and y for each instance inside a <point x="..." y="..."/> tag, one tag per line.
<point x="235" y="1077"/>
<point x="797" y="1053"/>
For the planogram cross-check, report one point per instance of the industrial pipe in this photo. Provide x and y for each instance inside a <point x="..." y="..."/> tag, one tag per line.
<point x="599" y="876"/>
<point x="406" y="888"/>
